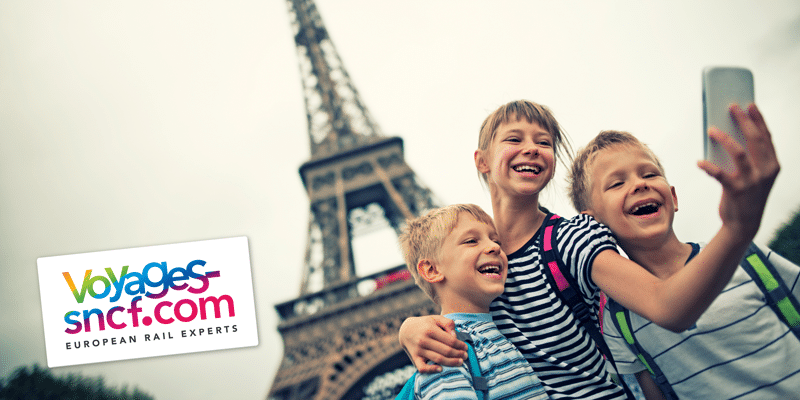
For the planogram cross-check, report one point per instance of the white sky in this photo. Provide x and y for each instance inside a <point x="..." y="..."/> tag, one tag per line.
<point x="126" y="124"/>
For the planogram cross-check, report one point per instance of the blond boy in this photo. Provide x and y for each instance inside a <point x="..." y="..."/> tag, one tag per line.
<point x="739" y="348"/>
<point x="454" y="255"/>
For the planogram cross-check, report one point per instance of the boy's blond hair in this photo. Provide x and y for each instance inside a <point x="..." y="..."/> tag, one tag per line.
<point x="531" y="112"/>
<point x="579" y="178"/>
<point x="422" y="237"/>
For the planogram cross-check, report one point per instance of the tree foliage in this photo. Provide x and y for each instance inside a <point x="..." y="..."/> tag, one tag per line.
<point x="29" y="383"/>
<point x="787" y="240"/>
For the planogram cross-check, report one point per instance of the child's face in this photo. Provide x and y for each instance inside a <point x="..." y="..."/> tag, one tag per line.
<point x="520" y="158"/>
<point x="473" y="265"/>
<point x="630" y="195"/>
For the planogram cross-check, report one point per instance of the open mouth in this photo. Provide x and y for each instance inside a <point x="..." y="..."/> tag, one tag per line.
<point x="490" y="269"/>
<point x="645" y="209"/>
<point x="535" y="169"/>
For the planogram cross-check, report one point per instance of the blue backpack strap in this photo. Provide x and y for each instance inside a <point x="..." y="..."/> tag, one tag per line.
<point x="407" y="392"/>
<point x="561" y="278"/>
<point x="622" y="321"/>
<point x="777" y="294"/>
<point x="480" y="383"/>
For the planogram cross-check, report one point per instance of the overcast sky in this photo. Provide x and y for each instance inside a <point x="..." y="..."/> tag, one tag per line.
<point x="127" y="124"/>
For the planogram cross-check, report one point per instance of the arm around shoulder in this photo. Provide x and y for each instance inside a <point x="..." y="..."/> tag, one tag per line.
<point x="431" y="338"/>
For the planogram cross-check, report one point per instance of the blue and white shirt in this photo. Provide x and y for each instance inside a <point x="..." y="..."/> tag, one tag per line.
<point x="738" y="349"/>
<point x="508" y="374"/>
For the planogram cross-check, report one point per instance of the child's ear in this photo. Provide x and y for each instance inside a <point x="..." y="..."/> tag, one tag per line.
<point x="480" y="162"/>
<point x="674" y="197"/>
<point x="429" y="271"/>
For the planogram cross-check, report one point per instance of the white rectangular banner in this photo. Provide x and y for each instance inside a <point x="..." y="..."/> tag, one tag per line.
<point x="147" y="301"/>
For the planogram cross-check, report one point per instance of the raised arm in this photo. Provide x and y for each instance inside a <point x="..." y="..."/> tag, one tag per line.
<point x="676" y="303"/>
<point x="432" y="338"/>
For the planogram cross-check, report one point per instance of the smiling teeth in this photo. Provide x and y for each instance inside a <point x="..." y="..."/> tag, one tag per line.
<point x="489" y="269"/>
<point x="642" y="206"/>
<point x="527" y="168"/>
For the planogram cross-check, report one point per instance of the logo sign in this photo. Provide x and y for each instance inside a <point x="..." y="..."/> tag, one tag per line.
<point x="147" y="301"/>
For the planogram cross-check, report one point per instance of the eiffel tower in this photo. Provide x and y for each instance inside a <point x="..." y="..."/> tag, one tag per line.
<point x="340" y="334"/>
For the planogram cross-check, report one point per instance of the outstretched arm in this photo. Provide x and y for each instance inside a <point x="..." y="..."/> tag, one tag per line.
<point x="432" y="338"/>
<point x="677" y="302"/>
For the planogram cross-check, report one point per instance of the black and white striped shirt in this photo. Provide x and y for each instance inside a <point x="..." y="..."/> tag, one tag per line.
<point x="532" y="316"/>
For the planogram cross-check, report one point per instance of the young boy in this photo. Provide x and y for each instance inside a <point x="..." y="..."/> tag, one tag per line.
<point x="739" y="348"/>
<point x="454" y="255"/>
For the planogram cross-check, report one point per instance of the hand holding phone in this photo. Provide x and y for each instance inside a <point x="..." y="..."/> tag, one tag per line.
<point x="747" y="169"/>
<point x="723" y="86"/>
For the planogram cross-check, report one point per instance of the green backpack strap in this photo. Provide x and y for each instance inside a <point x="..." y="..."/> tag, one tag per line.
<point x="763" y="273"/>
<point x="622" y="320"/>
<point x="479" y="383"/>
<point x="777" y="294"/>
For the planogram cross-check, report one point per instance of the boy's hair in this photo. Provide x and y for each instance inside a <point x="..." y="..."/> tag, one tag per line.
<point x="422" y="237"/>
<point x="578" y="180"/>
<point x="531" y="112"/>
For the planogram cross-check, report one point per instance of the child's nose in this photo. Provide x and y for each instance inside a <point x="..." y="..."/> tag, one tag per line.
<point x="492" y="248"/>
<point x="640" y="185"/>
<point x="531" y="148"/>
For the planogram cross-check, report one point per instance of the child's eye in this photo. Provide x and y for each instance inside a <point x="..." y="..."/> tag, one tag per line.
<point x="615" y="184"/>
<point x="544" y="143"/>
<point x="512" y="139"/>
<point x="470" y="240"/>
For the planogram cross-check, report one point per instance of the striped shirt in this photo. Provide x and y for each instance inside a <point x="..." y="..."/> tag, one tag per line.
<point x="738" y="349"/>
<point x="532" y="316"/>
<point x="509" y="376"/>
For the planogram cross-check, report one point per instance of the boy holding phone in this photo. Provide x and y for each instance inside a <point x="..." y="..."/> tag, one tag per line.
<point x="739" y="348"/>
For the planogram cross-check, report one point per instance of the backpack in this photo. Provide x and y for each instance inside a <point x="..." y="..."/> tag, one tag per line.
<point x="479" y="383"/>
<point x="766" y="277"/>
<point x="559" y="276"/>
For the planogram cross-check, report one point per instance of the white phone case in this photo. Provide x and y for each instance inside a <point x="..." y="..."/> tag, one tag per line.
<point x="723" y="86"/>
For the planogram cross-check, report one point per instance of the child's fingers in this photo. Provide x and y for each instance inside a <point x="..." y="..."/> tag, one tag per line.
<point x="445" y="346"/>
<point x="710" y="168"/>
<point x="436" y="357"/>
<point x="447" y="333"/>
<point x="760" y="144"/>
<point x="758" y="119"/>
<point x="742" y="119"/>
<point x="424" y="368"/>
<point x="741" y="165"/>
<point x="446" y="324"/>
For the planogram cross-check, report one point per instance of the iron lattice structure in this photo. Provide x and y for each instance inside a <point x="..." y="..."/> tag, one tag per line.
<point x="340" y="334"/>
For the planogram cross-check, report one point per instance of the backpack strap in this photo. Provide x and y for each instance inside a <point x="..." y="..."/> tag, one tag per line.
<point x="479" y="383"/>
<point x="561" y="278"/>
<point x="777" y="294"/>
<point x="407" y="392"/>
<point x="763" y="273"/>
<point x="622" y="321"/>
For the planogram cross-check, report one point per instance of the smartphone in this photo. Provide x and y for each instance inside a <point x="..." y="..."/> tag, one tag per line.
<point x="723" y="86"/>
